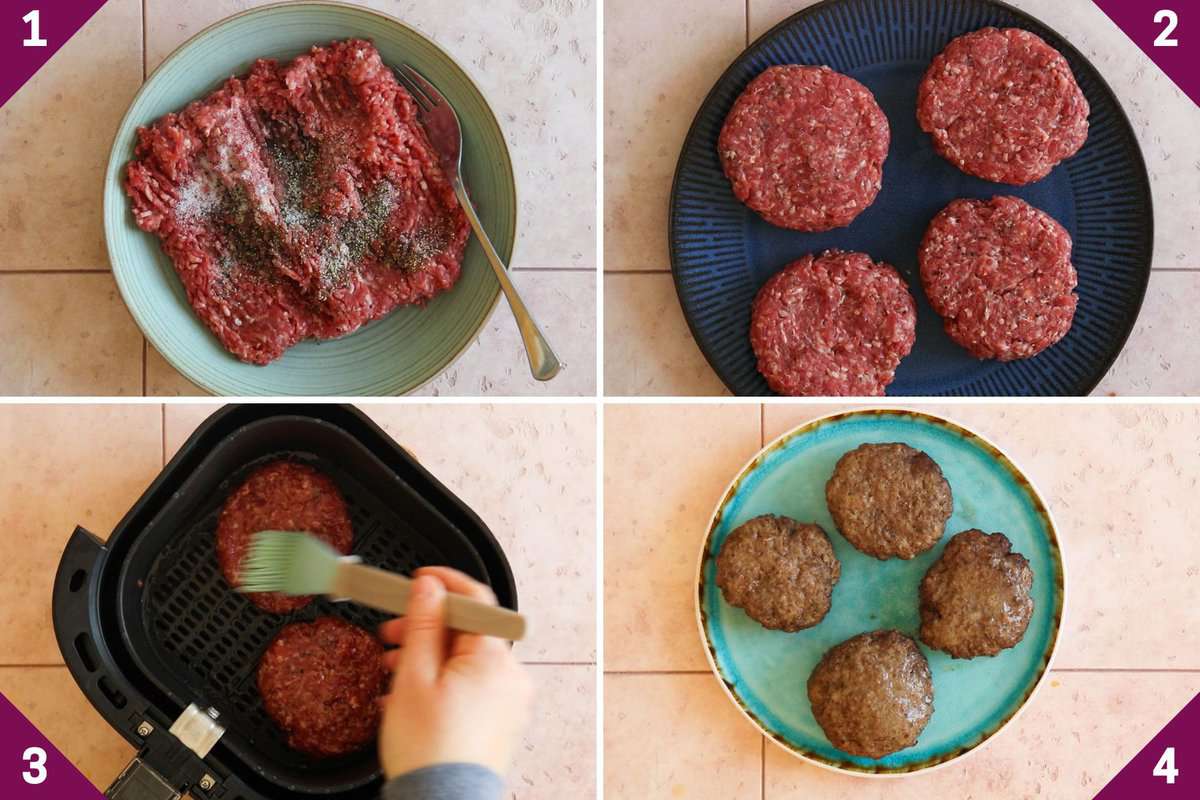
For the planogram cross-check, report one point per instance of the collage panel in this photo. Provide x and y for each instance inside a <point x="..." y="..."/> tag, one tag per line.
<point x="121" y="618"/>
<point x="248" y="217"/>
<point x="928" y="198"/>
<point x="983" y="600"/>
<point x="724" y="400"/>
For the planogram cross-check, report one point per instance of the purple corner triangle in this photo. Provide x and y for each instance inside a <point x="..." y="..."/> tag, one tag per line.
<point x="56" y="21"/>
<point x="1169" y="21"/>
<point x="22" y="765"/>
<point x="1138" y="781"/>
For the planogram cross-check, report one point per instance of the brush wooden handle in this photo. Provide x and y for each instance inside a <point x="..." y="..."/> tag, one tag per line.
<point x="387" y="591"/>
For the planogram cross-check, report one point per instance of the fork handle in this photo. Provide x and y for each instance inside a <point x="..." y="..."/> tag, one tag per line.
<point x="542" y="362"/>
<point x="387" y="591"/>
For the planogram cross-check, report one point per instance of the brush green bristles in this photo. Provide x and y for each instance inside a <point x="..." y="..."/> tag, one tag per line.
<point x="288" y="562"/>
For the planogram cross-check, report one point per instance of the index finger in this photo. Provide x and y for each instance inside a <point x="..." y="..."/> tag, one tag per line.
<point x="461" y="583"/>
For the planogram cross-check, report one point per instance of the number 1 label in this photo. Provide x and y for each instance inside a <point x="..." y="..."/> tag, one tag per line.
<point x="1165" y="768"/>
<point x="34" y="18"/>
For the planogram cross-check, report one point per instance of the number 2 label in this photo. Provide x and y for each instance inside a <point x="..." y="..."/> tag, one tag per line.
<point x="36" y="758"/>
<point x="34" y="18"/>
<point x="1164" y="39"/>
<point x="1165" y="768"/>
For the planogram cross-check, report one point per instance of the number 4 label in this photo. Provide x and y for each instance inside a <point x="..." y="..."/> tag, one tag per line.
<point x="34" y="18"/>
<point x="1165" y="768"/>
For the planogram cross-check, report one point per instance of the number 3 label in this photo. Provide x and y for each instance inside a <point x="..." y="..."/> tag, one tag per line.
<point x="1165" y="768"/>
<point x="36" y="758"/>
<point x="1164" y="39"/>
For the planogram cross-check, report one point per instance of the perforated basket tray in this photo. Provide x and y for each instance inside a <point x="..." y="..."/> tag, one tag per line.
<point x="186" y="637"/>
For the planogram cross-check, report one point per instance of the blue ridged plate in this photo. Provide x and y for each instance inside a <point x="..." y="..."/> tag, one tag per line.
<point x="722" y="252"/>
<point x="765" y="673"/>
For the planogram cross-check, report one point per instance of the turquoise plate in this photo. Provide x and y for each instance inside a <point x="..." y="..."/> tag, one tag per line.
<point x="391" y="356"/>
<point x="765" y="672"/>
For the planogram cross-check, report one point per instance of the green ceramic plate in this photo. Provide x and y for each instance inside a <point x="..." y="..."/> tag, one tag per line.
<point x="766" y="672"/>
<point x="391" y="356"/>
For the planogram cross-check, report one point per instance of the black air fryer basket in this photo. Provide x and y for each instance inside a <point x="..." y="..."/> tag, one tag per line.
<point x="166" y="651"/>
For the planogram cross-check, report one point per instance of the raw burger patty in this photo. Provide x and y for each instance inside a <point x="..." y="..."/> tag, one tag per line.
<point x="889" y="500"/>
<point x="836" y="324"/>
<point x="975" y="599"/>
<point x="280" y="496"/>
<point x="872" y="694"/>
<point x="1002" y="105"/>
<point x="780" y="571"/>
<point x="999" y="273"/>
<point x="804" y="147"/>
<point x="321" y="681"/>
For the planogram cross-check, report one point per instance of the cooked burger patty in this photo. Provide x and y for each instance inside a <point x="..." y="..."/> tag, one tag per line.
<point x="872" y="694"/>
<point x="889" y="500"/>
<point x="804" y="147"/>
<point x="834" y="324"/>
<point x="280" y="496"/>
<point x="780" y="571"/>
<point x="999" y="273"/>
<point x="321" y="682"/>
<point x="1002" y="105"/>
<point x="975" y="599"/>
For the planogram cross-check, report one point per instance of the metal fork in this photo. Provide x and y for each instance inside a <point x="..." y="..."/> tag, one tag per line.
<point x="437" y="117"/>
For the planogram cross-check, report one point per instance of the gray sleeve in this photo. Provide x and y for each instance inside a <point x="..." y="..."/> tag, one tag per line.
<point x="445" y="782"/>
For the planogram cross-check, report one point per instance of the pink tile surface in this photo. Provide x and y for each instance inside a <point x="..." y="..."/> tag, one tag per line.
<point x="1078" y="732"/>
<point x="51" y="700"/>
<point x="676" y="736"/>
<point x="557" y="757"/>
<point x="665" y="469"/>
<point x="68" y="465"/>
<point x="529" y="472"/>
<point x="55" y="134"/>
<point x="658" y="65"/>
<point x="1121" y="481"/>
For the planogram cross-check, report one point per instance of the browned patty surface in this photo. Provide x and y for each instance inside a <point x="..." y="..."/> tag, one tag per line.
<point x="889" y="500"/>
<point x="975" y="599"/>
<point x="804" y="147"/>
<point x="321" y="682"/>
<point x="872" y="694"/>
<point x="280" y="496"/>
<point x="780" y="571"/>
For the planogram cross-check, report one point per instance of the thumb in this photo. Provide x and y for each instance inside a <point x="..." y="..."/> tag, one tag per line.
<point x="424" y="631"/>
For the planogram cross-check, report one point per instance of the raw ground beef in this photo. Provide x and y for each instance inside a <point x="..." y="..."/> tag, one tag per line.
<point x="836" y="324"/>
<point x="1002" y="105"/>
<point x="999" y="273"/>
<point x="804" y="147"/>
<point x="302" y="200"/>
<point x="280" y="496"/>
<point x="321" y="682"/>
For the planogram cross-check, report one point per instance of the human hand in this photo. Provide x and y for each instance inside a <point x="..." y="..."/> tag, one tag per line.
<point x="455" y="697"/>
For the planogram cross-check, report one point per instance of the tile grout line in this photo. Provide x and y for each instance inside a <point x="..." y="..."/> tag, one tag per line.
<point x="762" y="758"/>
<point x="144" y="41"/>
<point x="1082" y="670"/>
